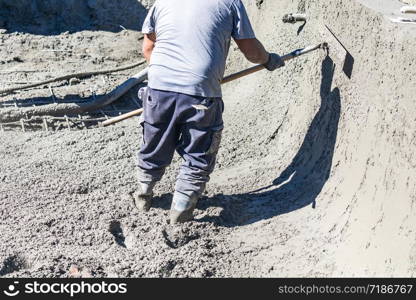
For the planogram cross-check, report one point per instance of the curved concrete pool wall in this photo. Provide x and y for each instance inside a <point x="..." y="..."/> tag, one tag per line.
<point x="344" y="134"/>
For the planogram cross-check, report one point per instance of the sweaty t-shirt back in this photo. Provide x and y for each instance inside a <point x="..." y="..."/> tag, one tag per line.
<point x="192" y="43"/>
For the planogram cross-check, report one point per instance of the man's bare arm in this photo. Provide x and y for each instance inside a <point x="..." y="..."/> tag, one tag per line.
<point x="149" y="41"/>
<point x="253" y="50"/>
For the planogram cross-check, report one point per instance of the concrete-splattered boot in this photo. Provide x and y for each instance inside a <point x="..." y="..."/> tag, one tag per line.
<point x="143" y="197"/>
<point x="182" y="208"/>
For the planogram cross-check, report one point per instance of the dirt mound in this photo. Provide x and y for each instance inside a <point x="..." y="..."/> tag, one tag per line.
<point x="315" y="174"/>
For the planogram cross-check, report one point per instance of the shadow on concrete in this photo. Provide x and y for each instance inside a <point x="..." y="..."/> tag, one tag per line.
<point x="348" y="65"/>
<point x="52" y="17"/>
<point x="301" y="27"/>
<point x="163" y="201"/>
<point x="302" y="181"/>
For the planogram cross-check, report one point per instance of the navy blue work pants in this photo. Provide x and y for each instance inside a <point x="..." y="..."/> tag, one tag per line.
<point x="191" y="125"/>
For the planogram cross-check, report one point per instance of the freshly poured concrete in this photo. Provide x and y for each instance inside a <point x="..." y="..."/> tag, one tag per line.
<point x="315" y="176"/>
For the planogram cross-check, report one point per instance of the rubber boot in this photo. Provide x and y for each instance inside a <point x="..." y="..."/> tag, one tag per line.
<point x="143" y="197"/>
<point x="182" y="208"/>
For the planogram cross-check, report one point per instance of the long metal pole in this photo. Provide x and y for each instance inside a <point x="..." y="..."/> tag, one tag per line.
<point x="226" y="79"/>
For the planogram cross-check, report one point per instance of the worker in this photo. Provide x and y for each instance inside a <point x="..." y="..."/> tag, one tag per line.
<point x="186" y="43"/>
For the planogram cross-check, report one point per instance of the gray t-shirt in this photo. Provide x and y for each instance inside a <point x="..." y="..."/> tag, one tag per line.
<point x="192" y="42"/>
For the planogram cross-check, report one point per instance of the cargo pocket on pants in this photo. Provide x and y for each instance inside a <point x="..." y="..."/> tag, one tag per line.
<point x="216" y="140"/>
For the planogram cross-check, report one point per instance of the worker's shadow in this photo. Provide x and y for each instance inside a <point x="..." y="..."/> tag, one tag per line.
<point x="55" y="17"/>
<point x="302" y="181"/>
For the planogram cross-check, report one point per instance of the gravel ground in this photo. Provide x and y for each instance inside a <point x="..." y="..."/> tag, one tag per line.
<point x="315" y="175"/>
